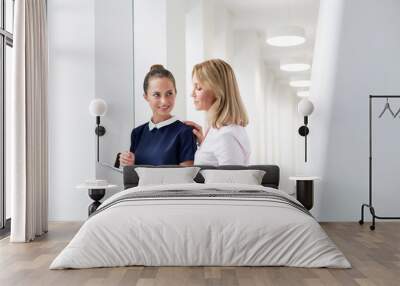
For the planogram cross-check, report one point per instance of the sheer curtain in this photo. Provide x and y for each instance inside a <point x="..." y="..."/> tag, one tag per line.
<point x="28" y="121"/>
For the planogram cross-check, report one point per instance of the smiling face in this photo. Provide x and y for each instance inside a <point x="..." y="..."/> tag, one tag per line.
<point x="161" y="96"/>
<point x="203" y="97"/>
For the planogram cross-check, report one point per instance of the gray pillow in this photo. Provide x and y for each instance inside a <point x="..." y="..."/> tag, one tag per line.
<point x="166" y="176"/>
<point x="248" y="177"/>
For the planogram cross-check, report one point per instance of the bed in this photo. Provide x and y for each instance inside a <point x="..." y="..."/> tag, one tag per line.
<point x="198" y="224"/>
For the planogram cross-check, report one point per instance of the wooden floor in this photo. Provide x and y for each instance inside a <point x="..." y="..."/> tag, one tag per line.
<point x="375" y="257"/>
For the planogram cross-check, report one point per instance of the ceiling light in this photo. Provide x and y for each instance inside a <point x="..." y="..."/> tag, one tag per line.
<point x="286" y="36"/>
<point x="300" y="83"/>
<point x="294" y="65"/>
<point x="303" y="93"/>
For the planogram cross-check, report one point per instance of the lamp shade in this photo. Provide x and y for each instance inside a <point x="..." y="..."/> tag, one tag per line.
<point x="303" y="93"/>
<point x="305" y="107"/>
<point x="98" y="107"/>
<point x="286" y="36"/>
<point x="294" y="65"/>
<point x="300" y="83"/>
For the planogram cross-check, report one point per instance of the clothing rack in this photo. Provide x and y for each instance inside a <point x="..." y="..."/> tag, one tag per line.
<point x="370" y="204"/>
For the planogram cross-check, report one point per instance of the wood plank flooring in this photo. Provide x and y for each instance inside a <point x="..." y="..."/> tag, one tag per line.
<point x="375" y="257"/>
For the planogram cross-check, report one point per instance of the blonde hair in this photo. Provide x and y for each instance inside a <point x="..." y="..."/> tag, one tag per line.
<point x="228" y="108"/>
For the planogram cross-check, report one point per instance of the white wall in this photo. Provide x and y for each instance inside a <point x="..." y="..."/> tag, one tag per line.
<point x="208" y="35"/>
<point x="176" y="50"/>
<point x="271" y="106"/>
<point x="218" y="33"/>
<point x="354" y="57"/>
<point x="92" y="56"/>
<point x="159" y="39"/>
<point x="114" y="82"/>
<point x="148" y="50"/>
<point x="194" y="37"/>
<point x="247" y="63"/>
<point x="286" y="144"/>
<point x="89" y="60"/>
<point x="71" y="88"/>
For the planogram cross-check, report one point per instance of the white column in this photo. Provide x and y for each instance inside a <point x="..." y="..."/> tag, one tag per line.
<point x="247" y="64"/>
<point x="150" y="47"/>
<point x="195" y="53"/>
<point x="176" y="51"/>
<point x="209" y="35"/>
<point x="159" y="38"/>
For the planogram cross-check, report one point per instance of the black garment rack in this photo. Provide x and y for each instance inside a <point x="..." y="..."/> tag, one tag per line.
<point x="370" y="205"/>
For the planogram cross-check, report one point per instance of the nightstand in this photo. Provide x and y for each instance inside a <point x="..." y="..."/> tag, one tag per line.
<point x="96" y="193"/>
<point x="305" y="190"/>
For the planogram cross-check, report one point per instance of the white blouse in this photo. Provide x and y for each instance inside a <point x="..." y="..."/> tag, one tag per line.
<point x="228" y="145"/>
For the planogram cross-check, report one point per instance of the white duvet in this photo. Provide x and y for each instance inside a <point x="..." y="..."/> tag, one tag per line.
<point x="200" y="231"/>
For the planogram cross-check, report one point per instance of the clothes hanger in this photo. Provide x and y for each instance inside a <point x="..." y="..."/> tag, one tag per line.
<point x="397" y="113"/>
<point x="387" y="107"/>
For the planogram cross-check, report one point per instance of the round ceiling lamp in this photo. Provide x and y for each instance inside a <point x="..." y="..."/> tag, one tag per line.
<point x="300" y="83"/>
<point x="286" y="36"/>
<point x="303" y="93"/>
<point x="294" y="65"/>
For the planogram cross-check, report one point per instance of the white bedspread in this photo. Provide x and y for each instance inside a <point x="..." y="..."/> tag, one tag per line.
<point x="200" y="231"/>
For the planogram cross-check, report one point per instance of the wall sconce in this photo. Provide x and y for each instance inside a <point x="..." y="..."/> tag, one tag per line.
<point x="305" y="108"/>
<point x="98" y="107"/>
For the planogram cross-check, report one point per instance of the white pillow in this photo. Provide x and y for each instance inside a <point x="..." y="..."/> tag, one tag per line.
<point x="248" y="177"/>
<point x="166" y="176"/>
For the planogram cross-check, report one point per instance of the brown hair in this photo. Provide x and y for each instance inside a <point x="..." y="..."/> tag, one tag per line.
<point x="157" y="71"/>
<point x="228" y="108"/>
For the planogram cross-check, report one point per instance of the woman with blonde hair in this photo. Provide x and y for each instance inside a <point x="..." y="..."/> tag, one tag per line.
<point x="215" y="90"/>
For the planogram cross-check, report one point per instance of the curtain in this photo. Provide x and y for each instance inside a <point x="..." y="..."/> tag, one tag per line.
<point x="28" y="120"/>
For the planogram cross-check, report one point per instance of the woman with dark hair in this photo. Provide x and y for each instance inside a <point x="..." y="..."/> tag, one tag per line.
<point x="164" y="140"/>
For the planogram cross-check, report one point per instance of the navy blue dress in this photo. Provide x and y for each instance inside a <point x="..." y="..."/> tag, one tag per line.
<point x="169" y="145"/>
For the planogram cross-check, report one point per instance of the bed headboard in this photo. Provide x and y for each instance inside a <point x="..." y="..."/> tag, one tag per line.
<point x="270" y="179"/>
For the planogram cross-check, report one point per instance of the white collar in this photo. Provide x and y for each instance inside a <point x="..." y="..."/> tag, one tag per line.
<point x="162" y="123"/>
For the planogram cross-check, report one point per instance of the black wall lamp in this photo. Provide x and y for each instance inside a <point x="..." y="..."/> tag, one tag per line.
<point x="305" y="108"/>
<point x="98" y="108"/>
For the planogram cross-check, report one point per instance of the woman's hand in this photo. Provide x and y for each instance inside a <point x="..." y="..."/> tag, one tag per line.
<point x="197" y="130"/>
<point x="186" y="163"/>
<point x="127" y="159"/>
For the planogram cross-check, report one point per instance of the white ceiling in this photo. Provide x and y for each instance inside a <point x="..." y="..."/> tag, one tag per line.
<point x="260" y="15"/>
